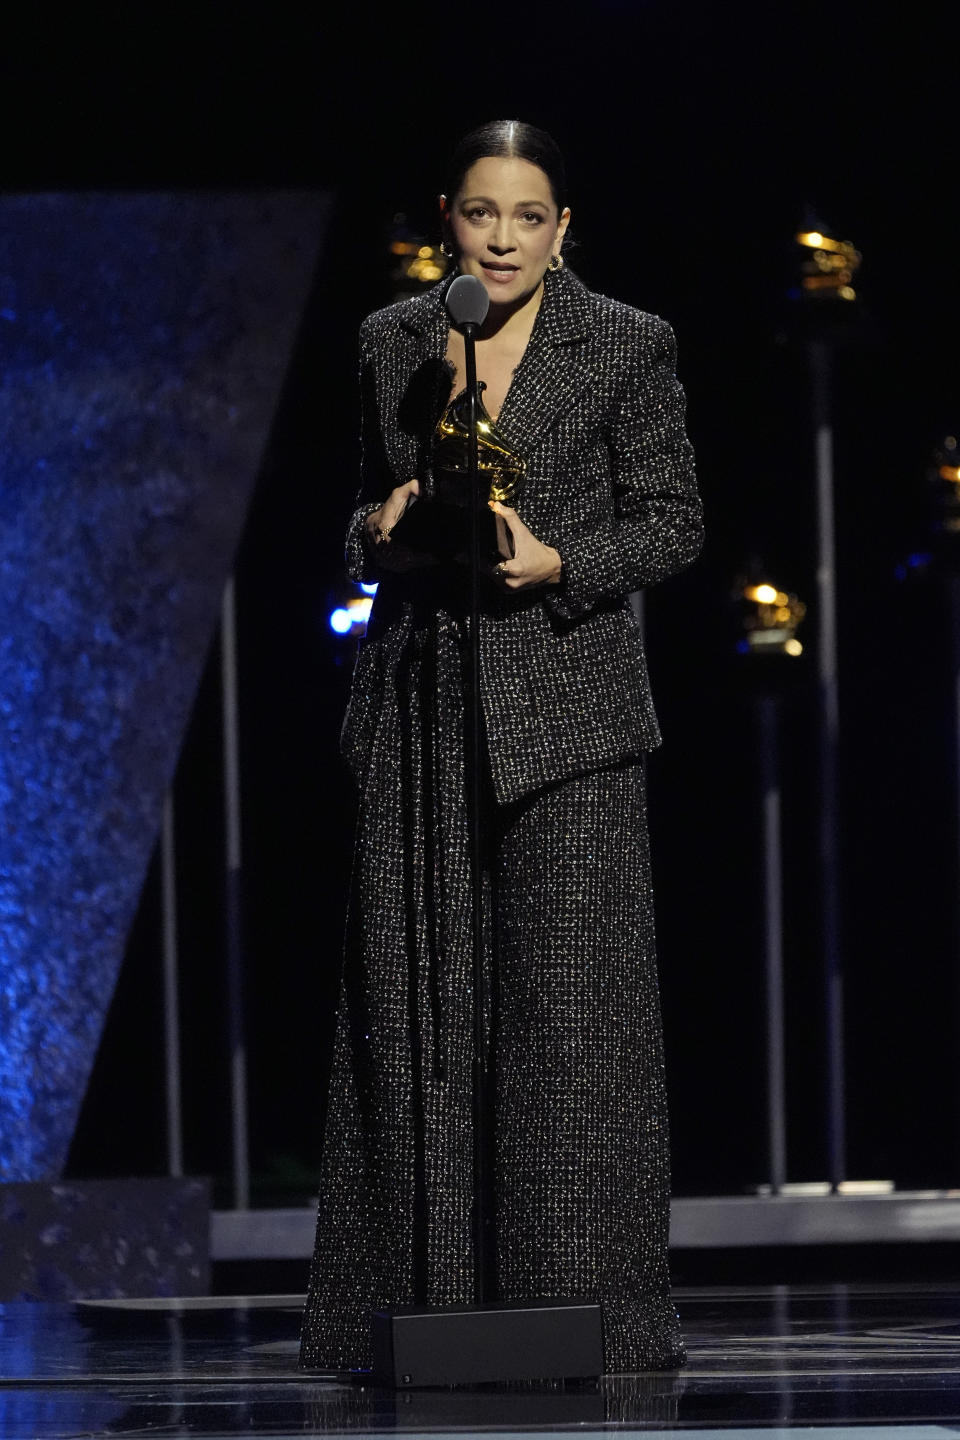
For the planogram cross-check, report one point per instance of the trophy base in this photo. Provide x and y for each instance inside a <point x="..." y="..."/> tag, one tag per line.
<point x="431" y="527"/>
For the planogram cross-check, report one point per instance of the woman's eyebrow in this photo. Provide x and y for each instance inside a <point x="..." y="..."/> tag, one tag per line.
<point x="485" y="200"/>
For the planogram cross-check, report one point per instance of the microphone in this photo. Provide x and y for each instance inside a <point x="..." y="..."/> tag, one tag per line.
<point x="467" y="303"/>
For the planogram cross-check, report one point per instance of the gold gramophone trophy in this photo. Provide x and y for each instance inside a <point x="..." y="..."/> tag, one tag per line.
<point x="439" y="523"/>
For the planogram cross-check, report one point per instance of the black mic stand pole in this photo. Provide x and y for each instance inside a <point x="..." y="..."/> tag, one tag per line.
<point x="418" y="1346"/>
<point x="480" y="1076"/>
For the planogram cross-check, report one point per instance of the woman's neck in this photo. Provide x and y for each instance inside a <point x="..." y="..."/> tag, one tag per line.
<point x="504" y="320"/>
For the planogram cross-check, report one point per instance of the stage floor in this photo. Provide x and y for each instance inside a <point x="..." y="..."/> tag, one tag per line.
<point x="878" y="1358"/>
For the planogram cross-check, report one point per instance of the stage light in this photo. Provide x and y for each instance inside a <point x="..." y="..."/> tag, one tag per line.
<point x="762" y="594"/>
<point x="340" y="621"/>
<point x="369" y="589"/>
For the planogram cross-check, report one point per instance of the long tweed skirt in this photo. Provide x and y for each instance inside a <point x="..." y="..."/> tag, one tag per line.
<point x="580" y="1188"/>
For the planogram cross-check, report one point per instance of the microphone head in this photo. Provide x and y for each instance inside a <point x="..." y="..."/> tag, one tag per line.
<point x="467" y="301"/>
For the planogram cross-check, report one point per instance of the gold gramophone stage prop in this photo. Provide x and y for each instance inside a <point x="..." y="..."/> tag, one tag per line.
<point x="944" y="477"/>
<point x="770" y="619"/>
<point x="417" y="264"/>
<point x="828" y="267"/>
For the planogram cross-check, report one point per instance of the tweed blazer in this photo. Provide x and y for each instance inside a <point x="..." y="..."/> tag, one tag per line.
<point x="597" y="412"/>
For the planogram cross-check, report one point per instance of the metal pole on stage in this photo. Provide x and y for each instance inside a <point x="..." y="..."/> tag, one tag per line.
<point x="768" y="718"/>
<point x="944" y="501"/>
<point x="821" y="374"/>
<point x="171" y="993"/>
<point x="827" y="272"/>
<point x="481" y="1256"/>
<point x="771" y="618"/>
<point x="233" y="906"/>
<point x="953" y="594"/>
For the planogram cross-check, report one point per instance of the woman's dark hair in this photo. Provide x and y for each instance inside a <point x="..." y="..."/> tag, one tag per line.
<point x="511" y="139"/>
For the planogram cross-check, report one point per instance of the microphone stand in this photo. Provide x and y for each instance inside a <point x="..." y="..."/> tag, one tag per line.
<point x="419" y="1346"/>
<point x="475" y="712"/>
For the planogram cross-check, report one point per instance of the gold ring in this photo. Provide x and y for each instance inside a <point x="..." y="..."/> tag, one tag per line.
<point x="502" y="568"/>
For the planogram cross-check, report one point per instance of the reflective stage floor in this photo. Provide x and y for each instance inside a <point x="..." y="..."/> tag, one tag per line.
<point x="874" y="1357"/>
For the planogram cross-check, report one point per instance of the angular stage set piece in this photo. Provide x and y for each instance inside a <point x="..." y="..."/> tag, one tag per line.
<point x="145" y="340"/>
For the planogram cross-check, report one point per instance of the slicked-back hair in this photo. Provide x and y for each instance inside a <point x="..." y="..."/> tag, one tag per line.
<point x="510" y="139"/>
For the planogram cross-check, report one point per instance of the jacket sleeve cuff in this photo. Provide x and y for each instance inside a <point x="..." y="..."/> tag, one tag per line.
<point x="361" y="565"/>
<point x="573" y="596"/>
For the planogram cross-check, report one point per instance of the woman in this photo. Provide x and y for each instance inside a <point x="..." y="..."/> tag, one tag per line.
<point x="583" y="396"/>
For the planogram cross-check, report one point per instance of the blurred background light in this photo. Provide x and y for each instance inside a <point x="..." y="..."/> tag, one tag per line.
<point x="351" y="618"/>
<point x="770" y="618"/>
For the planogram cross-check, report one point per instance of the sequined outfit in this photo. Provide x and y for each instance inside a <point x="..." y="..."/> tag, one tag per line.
<point x="581" y="1166"/>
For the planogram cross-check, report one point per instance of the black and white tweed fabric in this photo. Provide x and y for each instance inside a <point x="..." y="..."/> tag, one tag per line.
<point x="597" y="412"/>
<point x="581" y="1176"/>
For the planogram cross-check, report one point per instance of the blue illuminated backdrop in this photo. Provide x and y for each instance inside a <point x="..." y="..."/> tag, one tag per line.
<point x="144" y="340"/>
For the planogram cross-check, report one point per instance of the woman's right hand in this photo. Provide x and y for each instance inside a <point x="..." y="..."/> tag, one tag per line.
<point x="379" y="524"/>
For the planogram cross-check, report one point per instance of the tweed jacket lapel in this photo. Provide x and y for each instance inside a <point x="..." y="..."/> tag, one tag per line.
<point x="425" y="317"/>
<point x="422" y="383"/>
<point x="552" y="374"/>
<point x="549" y="379"/>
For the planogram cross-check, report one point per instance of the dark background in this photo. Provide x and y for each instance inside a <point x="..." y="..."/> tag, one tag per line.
<point x="696" y="137"/>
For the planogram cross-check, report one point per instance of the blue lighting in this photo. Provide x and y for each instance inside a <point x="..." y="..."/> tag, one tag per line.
<point x="369" y="589"/>
<point x="919" y="560"/>
<point x="340" y="621"/>
<point x="118" y="523"/>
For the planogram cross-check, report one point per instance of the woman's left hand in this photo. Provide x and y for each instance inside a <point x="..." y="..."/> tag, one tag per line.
<point x="533" y="562"/>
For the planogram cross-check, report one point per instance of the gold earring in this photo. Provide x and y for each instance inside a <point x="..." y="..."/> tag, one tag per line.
<point x="555" y="262"/>
<point x="445" y="250"/>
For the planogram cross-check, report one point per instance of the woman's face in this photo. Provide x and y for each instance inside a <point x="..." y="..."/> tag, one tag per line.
<point x="504" y="226"/>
